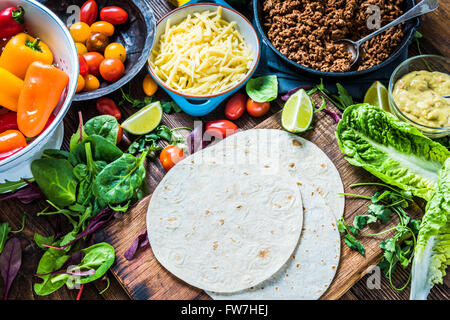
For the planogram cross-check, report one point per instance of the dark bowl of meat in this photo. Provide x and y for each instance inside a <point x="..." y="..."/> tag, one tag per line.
<point x="304" y="33"/>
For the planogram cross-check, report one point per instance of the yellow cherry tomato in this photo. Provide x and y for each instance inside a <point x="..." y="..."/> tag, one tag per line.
<point x="149" y="85"/>
<point x="116" y="50"/>
<point x="81" y="83"/>
<point x="80" y="31"/>
<point x="103" y="27"/>
<point x="81" y="48"/>
<point x="92" y="83"/>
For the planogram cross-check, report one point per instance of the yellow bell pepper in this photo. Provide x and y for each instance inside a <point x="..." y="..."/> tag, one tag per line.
<point x="21" y="51"/>
<point x="10" y="88"/>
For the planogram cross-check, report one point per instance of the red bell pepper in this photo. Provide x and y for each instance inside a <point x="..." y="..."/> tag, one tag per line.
<point x="12" y="22"/>
<point x="8" y="121"/>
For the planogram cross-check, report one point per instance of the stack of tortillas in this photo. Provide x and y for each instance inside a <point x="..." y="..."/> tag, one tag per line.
<point x="252" y="217"/>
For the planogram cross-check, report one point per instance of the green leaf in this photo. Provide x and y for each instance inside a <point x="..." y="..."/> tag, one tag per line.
<point x="105" y="126"/>
<point x="102" y="150"/>
<point x="263" y="89"/>
<point x="390" y="149"/>
<point x="169" y="106"/>
<point x="11" y="186"/>
<point x="362" y="221"/>
<point x="40" y="240"/>
<point x="5" y="229"/>
<point x="380" y="212"/>
<point x="354" y="244"/>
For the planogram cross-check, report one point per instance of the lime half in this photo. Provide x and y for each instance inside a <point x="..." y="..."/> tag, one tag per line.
<point x="145" y="120"/>
<point x="377" y="95"/>
<point x="297" y="112"/>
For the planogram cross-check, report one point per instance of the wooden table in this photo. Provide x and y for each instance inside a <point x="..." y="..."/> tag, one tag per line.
<point x="12" y="211"/>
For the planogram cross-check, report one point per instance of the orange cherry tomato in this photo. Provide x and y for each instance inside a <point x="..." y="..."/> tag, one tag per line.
<point x="116" y="50"/>
<point x="80" y="32"/>
<point x="112" y="69"/>
<point x="257" y="109"/>
<point x="93" y="60"/>
<point x="92" y="83"/>
<point x="11" y="139"/>
<point x="81" y="48"/>
<point x="103" y="27"/>
<point x="149" y="85"/>
<point x="81" y="83"/>
<point x="235" y="107"/>
<point x="170" y="156"/>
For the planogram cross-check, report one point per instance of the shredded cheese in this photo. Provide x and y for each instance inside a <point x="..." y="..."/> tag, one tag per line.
<point x="202" y="55"/>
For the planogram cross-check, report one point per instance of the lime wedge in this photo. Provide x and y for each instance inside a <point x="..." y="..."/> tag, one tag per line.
<point x="297" y="113"/>
<point x="377" y="95"/>
<point x="145" y="120"/>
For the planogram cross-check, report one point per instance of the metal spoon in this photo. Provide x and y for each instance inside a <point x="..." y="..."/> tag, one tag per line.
<point x="419" y="9"/>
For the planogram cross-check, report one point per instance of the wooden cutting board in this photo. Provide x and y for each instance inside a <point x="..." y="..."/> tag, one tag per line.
<point x="144" y="278"/>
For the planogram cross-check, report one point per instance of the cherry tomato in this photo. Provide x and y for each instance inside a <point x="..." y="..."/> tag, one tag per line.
<point x="170" y="156"/>
<point x="112" y="69"/>
<point x="89" y="12"/>
<point x="221" y="128"/>
<point x="91" y="83"/>
<point x="80" y="84"/>
<point x="103" y="27"/>
<point x="81" y="48"/>
<point x="257" y="109"/>
<point x="80" y="32"/>
<point x="116" y="50"/>
<point x="97" y="42"/>
<point x="93" y="60"/>
<point x="83" y="65"/>
<point x="149" y="85"/>
<point x="235" y="107"/>
<point x="108" y="106"/>
<point x="113" y="15"/>
<point x="8" y="121"/>
<point x="11" y="139"/>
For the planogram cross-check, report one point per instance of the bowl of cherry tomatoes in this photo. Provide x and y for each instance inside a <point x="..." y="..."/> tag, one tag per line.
<point x="113" y="40"/>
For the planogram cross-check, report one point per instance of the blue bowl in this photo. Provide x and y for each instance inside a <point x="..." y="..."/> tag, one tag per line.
<point x="201" y="105"/>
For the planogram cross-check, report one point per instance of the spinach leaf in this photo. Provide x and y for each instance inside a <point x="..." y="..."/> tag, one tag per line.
<point x="102" y="150"/>
<point x="52" y="260"/>
<point x="5" y="229"/>
<point x="56" y="180"/>
<point x="40" y="240"/>
<point x="55" y="154"/>
<point x="263" y="89"/>
<point x="105" y="126"/>
<point x="118" y="181"/>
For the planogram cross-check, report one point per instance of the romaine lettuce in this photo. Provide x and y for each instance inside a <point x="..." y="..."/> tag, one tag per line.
<point x="390" y="149"/>
<point x="432" y="252"/>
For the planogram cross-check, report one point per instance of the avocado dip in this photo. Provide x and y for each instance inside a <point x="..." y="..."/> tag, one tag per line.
<point x="419" y="95"/>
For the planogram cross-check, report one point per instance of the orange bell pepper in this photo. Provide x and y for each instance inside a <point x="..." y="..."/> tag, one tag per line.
<point x="21" y="51"/>
<point x="10" y="140"/>
<point x="10" y="87"/>
<point x="42" y="90"/>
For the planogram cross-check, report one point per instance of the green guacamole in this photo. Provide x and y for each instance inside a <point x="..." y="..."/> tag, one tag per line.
<point x="419" y="95"/>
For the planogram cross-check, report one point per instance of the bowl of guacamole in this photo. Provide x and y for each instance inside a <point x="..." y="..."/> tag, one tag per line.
<point x="419" y="93"/>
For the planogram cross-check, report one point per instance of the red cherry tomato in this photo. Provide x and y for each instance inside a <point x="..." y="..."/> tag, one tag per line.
<point x="93" y="60"/>
<point x="235" y="107"/>
<point x="89" y="12"/>
<point x="170" y="156"/>
<point x="220" y="128"/>
<point x="8" y="121"/>
<point x="108" y="106"/>
<point x="113" y="15"/>
<point x="257" y="109"/>
<point x="112" y="69"/>
<point x="84" y="68"/>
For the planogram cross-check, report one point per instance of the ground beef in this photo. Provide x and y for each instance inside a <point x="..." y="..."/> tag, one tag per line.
<point x="305" y="31"/>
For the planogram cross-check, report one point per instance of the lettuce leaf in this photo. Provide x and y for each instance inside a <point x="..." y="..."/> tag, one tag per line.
<point x="432" y="252"/>
<point x="390" y="149"/>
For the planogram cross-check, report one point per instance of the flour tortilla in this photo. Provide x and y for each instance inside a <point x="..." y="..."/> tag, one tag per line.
<point x="275" y="151"/>
<point x="312" y="267"/>
<point x="224" y="228"/>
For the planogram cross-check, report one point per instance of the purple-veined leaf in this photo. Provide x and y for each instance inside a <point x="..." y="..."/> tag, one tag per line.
<point x="10" y="262"/>
<point x="140" y="242"/>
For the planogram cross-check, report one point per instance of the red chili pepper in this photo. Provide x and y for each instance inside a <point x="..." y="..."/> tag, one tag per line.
<point x="89" y="12"/>
<point x="12" y="22"/>
<point x="221" y="128"/>
<point x="84" y="68"/>
<point x="8" y="121"/>
<point x="108" y="106"/>
<point x="8" y="154"/>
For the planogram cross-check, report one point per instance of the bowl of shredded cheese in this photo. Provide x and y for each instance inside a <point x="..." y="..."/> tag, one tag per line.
<point x="203" y="53"/>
